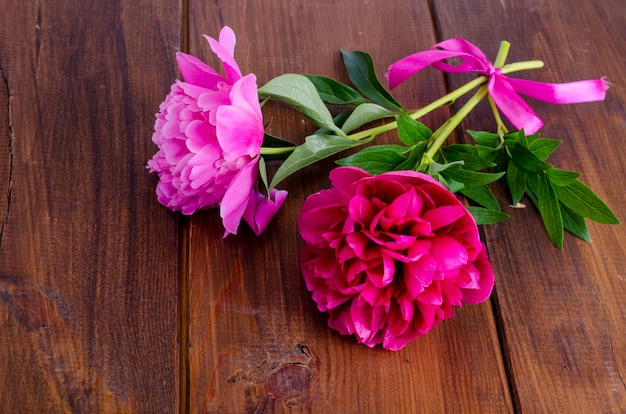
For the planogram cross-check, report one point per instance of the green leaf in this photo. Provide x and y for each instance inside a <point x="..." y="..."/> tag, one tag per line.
<point x="336" y="93"/>
<point x="468" y="154"/>
<point x="361" y="72"/>
<point x="275" y="142"/>
<point x="452" y="185"/>
<point x="487" y="139"/>
<point x="561" y="177"/>
<point x="524" y="158"/>
<point x="315" y="148"/>
<point x="583" y="201"/>
<point x="410" y="131"/>
<point x="263" y="173"/>
<point x="487" y="153"/>
<point x="299" y="92"/>
<point x="414" y="158"/>
<point x="471" y="178"/>
<point x="376" y="159"/>
<point x="363" y="114"/>
<point x="516" y="181"/>
<point x="543" y="147"/>
<point x="485" y="216"/>
<point x="270" y="141"/>
<point x="519" y="137"/>
<point x="483" y="196"/>
<point x="548" y="205"/>
<point x="575" y="223"/>
<point x="435" y="167"/>
<point x="338" y="120"/>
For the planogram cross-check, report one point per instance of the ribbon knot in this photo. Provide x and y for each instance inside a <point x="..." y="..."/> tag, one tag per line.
<point x="503" y="90"/>
<point x="493" y="71"/>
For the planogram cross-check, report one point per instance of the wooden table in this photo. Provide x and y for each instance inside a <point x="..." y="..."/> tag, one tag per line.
<point x="109" y="302"/>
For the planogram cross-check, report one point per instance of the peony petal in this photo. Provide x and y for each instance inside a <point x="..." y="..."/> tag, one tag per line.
<point x="343" y="178"/>
<point x="196" y="72"/>
<point x="261" y="210"/>
<point x="407" y="205"/>
<point x="244" y="95"/>
<point x="209" y="101"/>
<point x="419" y="274"/>
<point x="361" y="209"/>
<point x="431" y="295"/>
<point x="485" y="282"/>
<point x="202" y="165"/>
<point x="341" y="321"/>
<point x="198" y="135"/>
<point x="449" y="253"/>
<point x="443" y="216"/>
<point x="375" y="296"/>
<point x="367" y="321"/>
<point x="237" y="195"/>
<point x="240" y="128"/>
<point x="225" y="50"/>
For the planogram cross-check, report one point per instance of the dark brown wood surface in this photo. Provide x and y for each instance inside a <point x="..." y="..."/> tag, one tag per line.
<point x="111" y="303"/>
<point x="562" y="314"/>
<point x="88" y="262"/>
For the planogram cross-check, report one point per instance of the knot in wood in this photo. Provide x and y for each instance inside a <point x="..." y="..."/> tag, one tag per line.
<point x="289" y="381"/>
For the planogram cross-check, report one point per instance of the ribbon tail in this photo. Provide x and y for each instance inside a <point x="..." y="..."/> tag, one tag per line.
<point x="512" y="106"/>
<point x="473" y="58"/>
<point x="562" y="93"/>
<point x="406" y="67"/>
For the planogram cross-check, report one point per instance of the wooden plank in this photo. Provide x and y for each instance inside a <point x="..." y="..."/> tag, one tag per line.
<point x="562" y="312"/>
<point x="88" y="259"/>
<point x="256" y="341"/>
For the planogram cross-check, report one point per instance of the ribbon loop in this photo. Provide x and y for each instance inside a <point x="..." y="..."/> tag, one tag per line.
<point x="503" y="90"/>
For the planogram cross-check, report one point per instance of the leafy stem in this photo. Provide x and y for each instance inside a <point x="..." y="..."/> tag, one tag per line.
<point x="277" y="150"/>
<point x="448" y="98"/>
<point x="440" y="136"/>
<point x="501" y="128"/>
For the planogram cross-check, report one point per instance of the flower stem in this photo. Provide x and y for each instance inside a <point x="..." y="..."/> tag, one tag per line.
<point x="277" y="150"/>
<point x="502" y="129"/>
<point x="518" y="66"/>
<point x="440" y="135"/>
<point x="502" y="54"/>
<point x="448" y="98"/>
<point x="444" y="100"/>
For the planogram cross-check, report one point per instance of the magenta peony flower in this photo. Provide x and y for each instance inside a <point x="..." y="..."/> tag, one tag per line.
<point x="209" y="132"/>
<point x="388" y="256"/>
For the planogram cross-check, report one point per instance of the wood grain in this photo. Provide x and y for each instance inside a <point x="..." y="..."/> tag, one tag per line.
<point x="257" y="342"/>
<point x="562" y="313"/>
<point x="88" y="259"/>
<point x="109" y="303"/>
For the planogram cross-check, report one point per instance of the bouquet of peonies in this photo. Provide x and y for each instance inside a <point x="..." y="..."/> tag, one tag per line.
<point x="389" y="248"/>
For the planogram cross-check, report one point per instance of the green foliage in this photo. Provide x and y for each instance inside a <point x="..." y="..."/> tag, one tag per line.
<point x="517" y="160"/>
<point x="315" y="148"/>
<point x="383" y="158"/>
<point x="299" y="92"/>
<point x="486" y="216"/>
<point x="270" y="141"/>
<point x="364" y="114"/>
<point x="362" y="74"/>
<point x="377" y="159"/>
<point x="412" y="132"/>
<point x="562" y="200"/>
<point x="336" y="93"/>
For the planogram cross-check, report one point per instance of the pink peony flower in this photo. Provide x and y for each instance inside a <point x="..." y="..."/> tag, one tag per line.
<point x="388" y="256"/>
<point x="209" y="132"/>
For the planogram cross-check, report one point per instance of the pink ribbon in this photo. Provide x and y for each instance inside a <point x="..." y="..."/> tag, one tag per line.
<point x="503" y="90"/>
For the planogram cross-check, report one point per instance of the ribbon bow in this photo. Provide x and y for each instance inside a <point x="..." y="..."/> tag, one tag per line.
<point x="503" y="90"/>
